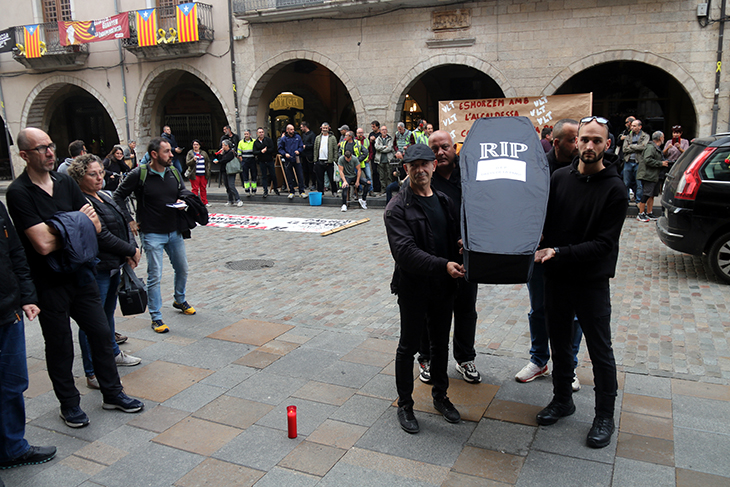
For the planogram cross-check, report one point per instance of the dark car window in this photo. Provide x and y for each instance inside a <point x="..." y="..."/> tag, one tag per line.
<point x="717" y="168"/>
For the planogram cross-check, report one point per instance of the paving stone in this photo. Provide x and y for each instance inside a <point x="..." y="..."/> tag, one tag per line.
<point x="438" y="442"/>
<point x="653" y="406"/>
<point x="82" y="465"/>
<point x="158" y="419"/>
<point x="701" y="414"/>
<point x="251" y="332"/>
<point x="306" y="363"/>
<point x="339" y="343"/>
<point x="347" y="374"/>
<point x="337" y="434"/>
<point x="257" y="359"/>
<point x="267" y="388"/>
<point x="207" y="353"/>
<point x="345" y="475"/>
<point x="197" y="436"/>
<point x="702" y="451"/>
<point x="127" y="437"/>
<point x="159" y="381"/>
<point x="194" y="397"/>
<point x="645" y="385"/>
<point x="362" y="410"/>
<point x="691" y="478"/>
<point x="258" y="447"/>
<point x="568" y="437"/>
<point x="645" y="449"/>
<point x="382" y="386"/>
<point x="312" y="458"/>
<point x="276" y="477"/>
<point x="490" y="464"/>
<point x="326" y="393"/>
<point x="504" y="437"/>
<point x="456" y="479"/>
<point x="632" y="473"/>
<point x="215" y="473"/>
<point x="229" y="376"/>
<point x="471" y="400"/>
<point x="58" y="475"/>
<point x="134" y="468"/>
<point x="541" y="468"/>
<point x="233" y="411"/>
<point x="645" y="425"/>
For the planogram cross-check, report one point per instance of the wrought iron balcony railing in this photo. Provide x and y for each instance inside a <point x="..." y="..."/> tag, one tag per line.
<point x="167" y="25"/>
<point x="53" y="54"/>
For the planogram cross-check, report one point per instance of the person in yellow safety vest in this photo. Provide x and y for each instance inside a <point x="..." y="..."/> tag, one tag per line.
<point x="365" y="163"/>
<point x="419" y="135"/>
<point x="354" y="147"/>
<point x="249" y="172"/>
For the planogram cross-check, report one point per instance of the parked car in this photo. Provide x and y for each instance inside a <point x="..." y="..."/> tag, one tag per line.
<point x="696" y="203"/>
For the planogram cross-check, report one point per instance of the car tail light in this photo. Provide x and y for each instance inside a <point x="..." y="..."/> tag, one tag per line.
<point x="690" y="182"/>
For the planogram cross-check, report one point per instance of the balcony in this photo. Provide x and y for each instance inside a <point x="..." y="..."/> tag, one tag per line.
<point x="168" y="45"/>
<point x="262" y="11"/>
<point x="54" y="55"/>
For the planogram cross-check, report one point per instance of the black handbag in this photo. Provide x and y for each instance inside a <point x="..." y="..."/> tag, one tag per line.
<point x="132" y="294"/>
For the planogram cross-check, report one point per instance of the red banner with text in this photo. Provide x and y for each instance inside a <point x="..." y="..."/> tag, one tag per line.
<point x="82" y="32"/>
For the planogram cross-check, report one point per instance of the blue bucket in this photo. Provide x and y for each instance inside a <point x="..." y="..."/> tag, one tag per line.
<point x="315" y="198"/>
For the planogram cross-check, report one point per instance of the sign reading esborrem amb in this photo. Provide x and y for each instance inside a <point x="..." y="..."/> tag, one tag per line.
<point x="457" y="116"/>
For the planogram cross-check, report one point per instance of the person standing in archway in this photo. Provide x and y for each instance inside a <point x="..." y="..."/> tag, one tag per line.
<point x="290" y="149"/>
<point x="176" y="151"/>
<point x="307" y="156"/>
<point x="325" y="149"/>
<point x="264" y="151"/>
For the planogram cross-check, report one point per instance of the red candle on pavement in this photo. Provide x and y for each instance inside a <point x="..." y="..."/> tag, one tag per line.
<point x="291" y="418"/>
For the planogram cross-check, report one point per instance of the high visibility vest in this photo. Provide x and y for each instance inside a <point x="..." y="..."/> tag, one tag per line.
<point x="245" y="149"/>
<point x="357" y="147"/>
<point x="420" y="137"/>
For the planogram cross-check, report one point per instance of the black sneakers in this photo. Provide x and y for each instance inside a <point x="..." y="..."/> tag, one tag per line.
<point x="74" y="417"/>
<point x="124" y="403"/>
<point x="600" y="434"/>
<point x="408" y="420"/>
<point x="34" y="456"/>
<point x="554" y="411"/>
<point x="448" y="410"/>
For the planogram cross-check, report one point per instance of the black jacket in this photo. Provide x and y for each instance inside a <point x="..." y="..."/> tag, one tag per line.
<point x="412" y="244"/>
<point x="17" y="289"/>
<point x="116" y="241"/>
<point x="80" y="247"/>
<point x="584" y="219"/>
<point x="270" y="153"/>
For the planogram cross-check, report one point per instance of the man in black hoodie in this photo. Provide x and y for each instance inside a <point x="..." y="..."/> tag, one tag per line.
<point x="586" y="211"/>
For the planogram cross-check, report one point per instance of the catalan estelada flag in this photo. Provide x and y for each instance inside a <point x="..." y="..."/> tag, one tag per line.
<point x="32" y="36"/>
<point x="187" y="22"/>
<point x="147" y="27"/>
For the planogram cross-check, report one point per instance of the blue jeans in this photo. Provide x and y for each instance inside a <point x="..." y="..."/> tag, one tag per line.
<point x="540" y="349"/>
<point x="108" y="286"/>
<point x="630" y="180"/>
<point x="153" y="245"/>
<point x="13" y="382"/>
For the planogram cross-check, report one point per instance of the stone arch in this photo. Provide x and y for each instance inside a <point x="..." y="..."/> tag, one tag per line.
<point x="263" y="74"/>
<point x="36" y="109"/>
<point x="398" y="96"/>
<point x="150" y="90"/>
<point x="670" y="67"/>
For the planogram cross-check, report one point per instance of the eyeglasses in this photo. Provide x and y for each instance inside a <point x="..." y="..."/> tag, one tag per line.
<point x="42" y="149"/>
<point x="600" y="120"/>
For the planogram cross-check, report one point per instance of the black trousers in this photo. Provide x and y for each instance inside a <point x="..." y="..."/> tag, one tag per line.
<point x="83" y="304"/>
<point x="465" y="324"/>
<point x="417" y="314"/>
<point x="320" y="168"/>
<point x="268" y="175"/>
<point x="376" y="178"/>
<point x="592" y="306"/>
<point x="308" y="170"/>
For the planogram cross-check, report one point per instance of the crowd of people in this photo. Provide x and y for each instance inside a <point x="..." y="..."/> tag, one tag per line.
<point x="66" y="212"/>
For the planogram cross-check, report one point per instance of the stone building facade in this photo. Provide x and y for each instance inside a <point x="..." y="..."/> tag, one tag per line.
<point x="353" y="62"/>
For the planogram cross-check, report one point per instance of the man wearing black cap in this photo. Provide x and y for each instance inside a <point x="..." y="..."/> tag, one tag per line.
<point x="421" y="224"/>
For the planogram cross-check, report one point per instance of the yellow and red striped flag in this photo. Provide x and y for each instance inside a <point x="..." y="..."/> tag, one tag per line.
<point x="32" y="35"/>
<point x="147" y="27"/>
<point x="187" y="22"/>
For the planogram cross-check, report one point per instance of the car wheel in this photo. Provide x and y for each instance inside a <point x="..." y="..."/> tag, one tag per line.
<point x="719" y="257"/>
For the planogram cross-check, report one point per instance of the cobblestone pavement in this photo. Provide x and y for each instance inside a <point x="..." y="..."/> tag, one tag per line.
<point x="319" y="330"/>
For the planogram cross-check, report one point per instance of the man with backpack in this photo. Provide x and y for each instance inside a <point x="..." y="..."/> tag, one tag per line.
<point x="159" y="190"/>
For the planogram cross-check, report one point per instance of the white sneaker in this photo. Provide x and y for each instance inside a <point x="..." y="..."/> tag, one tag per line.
<point x="363" y="204"/>
<point x="576" y="383"/>
<point x="239" y="203"/>
<point x="291" y="196"/>
<point x="124" y="360"/>
<point x="207" y="205"/>
<point x="302" y="195"/>
<point x="228" y="203"/>
<point x="344" y="207"/>
<point x="531" y="372"/>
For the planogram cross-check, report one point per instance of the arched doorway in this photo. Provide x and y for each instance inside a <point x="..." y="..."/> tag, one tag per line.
<point x="325" y="98"/>
<point x="77" y="115"/>
<point x="446" y="82"/>
<point x="185" y="100"/>
<point x="623" y="88"/>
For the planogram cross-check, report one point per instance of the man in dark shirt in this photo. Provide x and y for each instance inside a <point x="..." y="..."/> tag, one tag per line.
<point x="229" y="135"/>
<point x="264" y="151"/>
<point x="447" y="179"/>
<point x="33" y="198"/>
<point x="158" y="201"/>
<point x="176" y="151"/>
<point x="423" y="234"/>
<point x="585" y="214"/>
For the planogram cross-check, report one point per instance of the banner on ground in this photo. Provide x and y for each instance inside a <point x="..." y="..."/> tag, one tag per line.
<point x="457" y="116"/>
<point x="280" y="224"/>
<point x="74" y="32"/>
<point x="146" y="27"/>
<point x="7" y="39"/>
<point x="187" y="22"/>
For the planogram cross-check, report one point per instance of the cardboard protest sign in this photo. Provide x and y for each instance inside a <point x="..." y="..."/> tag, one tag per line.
<point x="457" y="116"/>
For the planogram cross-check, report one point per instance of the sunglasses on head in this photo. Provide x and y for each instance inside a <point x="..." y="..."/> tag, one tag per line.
<point x="600" y="120"/>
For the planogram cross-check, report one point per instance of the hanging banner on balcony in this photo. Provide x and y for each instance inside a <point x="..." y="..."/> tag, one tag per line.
<point x="72" y="33"/>
<point x="7" y="39"/>
<point x="187" y="22"/>
<point x="147" y="27"/>
<point x="457" y="116"/>
<point x="32" y="37"/>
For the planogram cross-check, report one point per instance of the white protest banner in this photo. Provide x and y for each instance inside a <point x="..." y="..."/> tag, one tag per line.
<point x="280" y="224"/>
<point x="457" y="116"/>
